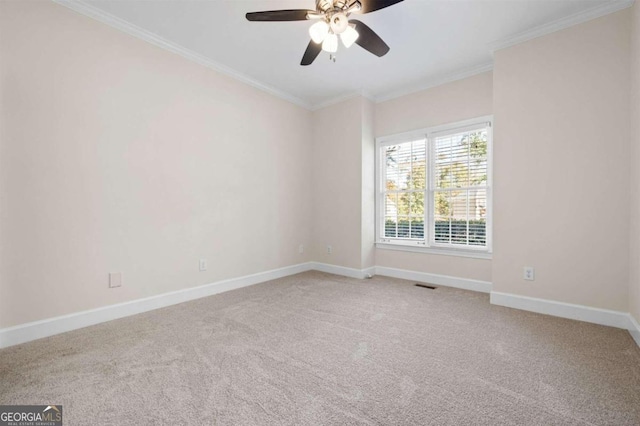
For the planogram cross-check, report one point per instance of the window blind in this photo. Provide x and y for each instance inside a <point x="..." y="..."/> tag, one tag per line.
<point x="459" y="190"/>
<point x="434" y="188"/>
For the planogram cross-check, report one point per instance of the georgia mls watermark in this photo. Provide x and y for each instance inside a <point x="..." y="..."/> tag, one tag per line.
<point x="30" y="415"/>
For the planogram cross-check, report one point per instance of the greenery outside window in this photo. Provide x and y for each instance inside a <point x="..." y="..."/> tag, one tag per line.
<point x="434" y="189"/>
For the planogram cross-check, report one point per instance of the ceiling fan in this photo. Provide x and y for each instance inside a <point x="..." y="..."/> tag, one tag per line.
<point x="332" y="18"/>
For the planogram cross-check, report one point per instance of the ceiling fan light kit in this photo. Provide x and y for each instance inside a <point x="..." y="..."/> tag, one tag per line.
<point x="349" y="36"/>
<point x="330" y="43"/>
<point x="319" y="31"/>
<point x="333" y="21"/>
<point x="338" y="22"/>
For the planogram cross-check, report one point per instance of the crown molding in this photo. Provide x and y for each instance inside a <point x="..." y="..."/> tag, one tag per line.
<point x="433" y="82"/>
<point x="131" y="29"/>
<point x="561" y="24"/>
<point x="343" y="98"/>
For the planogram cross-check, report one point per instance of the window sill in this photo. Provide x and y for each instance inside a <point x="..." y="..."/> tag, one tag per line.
<point x="434" y="250"/>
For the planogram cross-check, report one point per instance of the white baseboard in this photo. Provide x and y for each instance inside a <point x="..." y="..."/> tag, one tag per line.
<point x="342" y="270"/>
<point x="634" y="330"/>
<point x="44" y="328"/>
<point x="48" y="327"/>
<point x="38" y="329"/>
<point x="443" y="280"/>
<point x="564" y="310"/>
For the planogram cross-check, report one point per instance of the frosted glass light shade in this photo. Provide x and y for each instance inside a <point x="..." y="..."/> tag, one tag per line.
<point x="330" y="43"/>
<point x="349" y="36"/>
<point x="339" y="23"/>
<point x="319" y="31"/>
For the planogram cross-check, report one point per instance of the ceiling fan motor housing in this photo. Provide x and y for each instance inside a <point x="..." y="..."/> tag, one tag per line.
<point x="328" y="5"/>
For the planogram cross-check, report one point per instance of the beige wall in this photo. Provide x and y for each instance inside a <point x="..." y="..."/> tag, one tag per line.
<point x="561" y="176"/>
<point x="119" y="156"/>
<point x="459" y="100"/>
<point x="4" y="294"/>
<point x="451" y="102"/>
<point x="338" y="137"/>
<point x="368" y="227"/>
<point x="634" y="282"/>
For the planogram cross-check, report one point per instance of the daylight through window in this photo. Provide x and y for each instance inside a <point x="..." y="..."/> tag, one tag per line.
<point x="434" y="188"/>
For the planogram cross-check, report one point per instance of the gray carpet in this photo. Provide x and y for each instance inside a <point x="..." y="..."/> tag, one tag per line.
<point x="318" y="349"/>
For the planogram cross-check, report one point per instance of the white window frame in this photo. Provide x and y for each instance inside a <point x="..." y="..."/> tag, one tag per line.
<point x="427" y="245"/>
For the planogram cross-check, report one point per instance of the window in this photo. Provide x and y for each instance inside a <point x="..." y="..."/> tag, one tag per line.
<point x="434" y="189"/>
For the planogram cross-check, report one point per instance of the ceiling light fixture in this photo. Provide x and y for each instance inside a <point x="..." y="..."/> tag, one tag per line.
<point x="319" y="31"/>
<point x="349" y="36"/>
<point x="339" y="22"/>
<point x="332" y="21"/>
<point x="330" y="43"/>
<point x="327" y="33"/>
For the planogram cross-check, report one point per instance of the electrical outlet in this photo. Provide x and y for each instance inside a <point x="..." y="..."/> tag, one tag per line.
<point x="300" y="249"/>
<point x="329" y="250"/>
<point x="529" y="273"/>
<point x="115" y="279"/>
<point x="202" y="265"/>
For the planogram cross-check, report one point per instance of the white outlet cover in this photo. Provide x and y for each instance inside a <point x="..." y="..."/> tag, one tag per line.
<point x="202" y="265"/>
<point x="115" y="279"/>
<point x="529" y="273"/>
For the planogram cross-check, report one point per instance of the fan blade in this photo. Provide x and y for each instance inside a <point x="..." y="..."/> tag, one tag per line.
<point x="373" y="5"/>
<point x="279" y="15"/>
<point x="369" y="40"/>
<point x="312" y="52"/>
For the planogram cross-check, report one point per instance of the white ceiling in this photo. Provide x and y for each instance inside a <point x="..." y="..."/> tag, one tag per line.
<point x="431" y="41"/>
